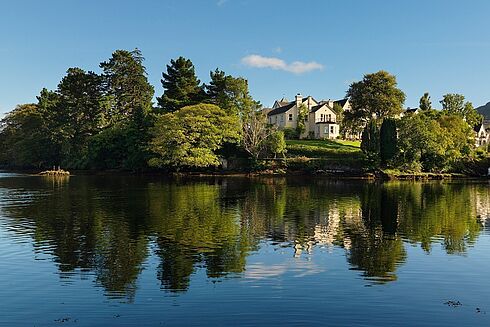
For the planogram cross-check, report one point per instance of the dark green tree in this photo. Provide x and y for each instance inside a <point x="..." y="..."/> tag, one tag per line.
<point x="127" y="84"/>
<point x="181" y="86"/>
<point x="370" y="142"/>
<point x="130" y="104"/>
<point x="388" y="140"/>
<point x="78" y="114"/>
<point x="376" y="96"/>
<point x="425" y="104"/>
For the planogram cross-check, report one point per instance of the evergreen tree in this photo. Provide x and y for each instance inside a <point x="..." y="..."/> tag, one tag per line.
<point x="425" y="104"/>
<point x="227" y="92"/>
<point x="127" y="84"/>
<point x="388" y="140"/>
<point x="181" y="86"/>
<point x="370" y="142"/>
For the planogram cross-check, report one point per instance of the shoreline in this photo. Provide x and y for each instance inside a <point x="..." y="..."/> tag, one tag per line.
<point x="377" y="175"/>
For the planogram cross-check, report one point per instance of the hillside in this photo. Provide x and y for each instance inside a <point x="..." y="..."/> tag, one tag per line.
<point x="485" y="110"/>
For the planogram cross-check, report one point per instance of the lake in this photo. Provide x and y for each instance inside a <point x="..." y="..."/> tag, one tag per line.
<point x="154" y="251"/>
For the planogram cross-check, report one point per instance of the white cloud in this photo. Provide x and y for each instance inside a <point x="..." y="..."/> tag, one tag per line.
<point x="296" y="67"/>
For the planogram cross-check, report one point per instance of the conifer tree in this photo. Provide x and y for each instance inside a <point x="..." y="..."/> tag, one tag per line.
<point x="181" y="86"/>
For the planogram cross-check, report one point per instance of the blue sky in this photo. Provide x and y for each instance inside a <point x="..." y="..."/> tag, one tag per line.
<point x="282" y="47"/>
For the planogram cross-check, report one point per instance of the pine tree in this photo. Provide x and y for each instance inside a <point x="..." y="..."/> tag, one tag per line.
<point x="181" y="86"/>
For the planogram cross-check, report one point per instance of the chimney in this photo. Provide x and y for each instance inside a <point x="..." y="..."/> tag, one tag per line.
<point x="299" y="99"/>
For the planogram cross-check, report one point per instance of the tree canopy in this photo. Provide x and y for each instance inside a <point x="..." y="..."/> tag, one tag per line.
<point x="191" y="136"/>
<point x="181" y="86"/>
<point x="376" y="96"/>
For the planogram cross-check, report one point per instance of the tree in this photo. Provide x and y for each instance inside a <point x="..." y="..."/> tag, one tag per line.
<point x="425" y="104"/>
<point x="24" y="139"/>
<point x="78" y="114"/>
<point x="256" y="131"/>
<point x="130" y="104"/>
<point x="454" y="104"/>
<point x="370" y="141"/>
<point x="276" y="143"/>
<point x="181" y="86"/>
<point x="127" y="85"/>
<point x="302" y="116"/>
<point x="388" y="140"/>
<point x="376" y="96"/>
<point x="191" y="136"/>
<point x="227" y="92"/>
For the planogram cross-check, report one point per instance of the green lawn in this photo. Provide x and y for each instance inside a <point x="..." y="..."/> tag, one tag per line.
<point x="323" y="148"/>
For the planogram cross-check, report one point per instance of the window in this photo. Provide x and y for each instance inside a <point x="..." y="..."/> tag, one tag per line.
<point x="290" y="117"/>
<point x="326" y="130"/>
<point x="329" y="117"/>
<point x="322" y="118"/>
<point x="332" y="129"/>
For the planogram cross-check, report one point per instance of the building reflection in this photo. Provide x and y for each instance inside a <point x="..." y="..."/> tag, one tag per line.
<point x="110" y="226"/>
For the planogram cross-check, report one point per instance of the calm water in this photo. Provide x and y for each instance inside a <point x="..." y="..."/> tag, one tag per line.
<point x="134" y="251"/>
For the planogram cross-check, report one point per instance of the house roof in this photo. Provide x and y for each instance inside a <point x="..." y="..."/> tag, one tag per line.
<point x="478" y="127"/>
<point x="341" y="102"/>
<point x="281" y="110"/>
<point x="321" y="105"/>
<point x="412" y="110"/>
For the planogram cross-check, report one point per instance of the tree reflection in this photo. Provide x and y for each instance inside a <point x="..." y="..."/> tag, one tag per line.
<point x="108" y="225"/>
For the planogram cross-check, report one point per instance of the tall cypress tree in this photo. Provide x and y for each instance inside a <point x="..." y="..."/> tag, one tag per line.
<point x="181" y="86"/>
<point x="370" y="141"/>
<point x="388" y="140"/>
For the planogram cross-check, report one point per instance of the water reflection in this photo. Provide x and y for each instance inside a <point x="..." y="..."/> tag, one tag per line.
<point x="109" y="226"/>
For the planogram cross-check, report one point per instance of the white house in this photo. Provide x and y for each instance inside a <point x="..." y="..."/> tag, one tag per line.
<point x="320" y="123"/>
<point x="482" y="136"/>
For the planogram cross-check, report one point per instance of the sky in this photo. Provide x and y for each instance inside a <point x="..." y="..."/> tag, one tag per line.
<point x="281" y="47"/>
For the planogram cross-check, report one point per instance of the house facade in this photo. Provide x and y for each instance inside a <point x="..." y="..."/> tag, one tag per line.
<point x="320" y="121"/>
<point x="482" y="136"/>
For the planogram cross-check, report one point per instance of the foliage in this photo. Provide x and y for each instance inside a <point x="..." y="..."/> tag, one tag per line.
<point x="376" y="96"/>
<point x="181" y="86"/>
<point x="370" y="143"/>
<point x="276" y="144"/>
<point x="227" y="92"/>
<point x="255" y="133"/>
<point x="302" y="116"/>
<point x="454" y="104"/>
<point x="388" y="140"/>
<point x="191" y="136"/>
<point x="428" y="144"/>
<point x="24" y="140"/>
<point x="425" y="104"/>
<point x="291" y="133"/>
<point x="126" y="85"/>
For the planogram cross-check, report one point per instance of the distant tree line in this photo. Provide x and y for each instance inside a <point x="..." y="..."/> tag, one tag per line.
<point x="107" y="120"/>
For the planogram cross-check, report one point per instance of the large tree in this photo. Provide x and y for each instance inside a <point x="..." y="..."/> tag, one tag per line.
<point x="79" y="113"/>
<point x="131" y="101"/>
<point x="181" y="86"/>
<point x="127" y="84"/>
<point x="191" y="136"/>
<point x="227" y="92"/>
<point x="455" y="104"/>
<point x="376" y="96"/>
